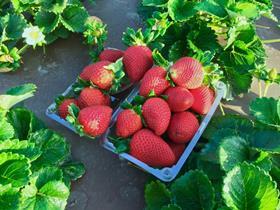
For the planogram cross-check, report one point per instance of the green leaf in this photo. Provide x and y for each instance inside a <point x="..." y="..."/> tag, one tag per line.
<point x="47" y="21"/>
<point x="15" y="24"/>
<point x="181" y="10"/>
<point x="249" y="10"/>
<point x="266" y="110"/>
<point x="16" y="95"/>
<point x="266" y="140"/>
<point x="6" y="130"/>
<point x="171" y="207"/>
<point x="14" y="169"/>
<point x="55" y="149"/>
<point x="177" y="50"/>
<point x="24" y="122"/>
<point x="45" y="191"/>
<point x="248" y="187"/>
<point x="156" y="3"/>
<point x="157" y="195"/>
<point x="55" y="6"/>
<point x="235" y="122"/>
<point x="73" y="170"/>
<point x="212" y="7"/>
<point x="25" y="148"/>
<point x="193" y="191"/>
<point x="233" y="150"/>
<point x="74" y="18"/>
<point x="9" y="197"/>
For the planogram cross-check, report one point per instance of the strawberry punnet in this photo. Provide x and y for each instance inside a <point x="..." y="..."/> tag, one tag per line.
<point x="154" y="80"/>
<point x="177" y="149"/>
<point x="92" y="96"/>
<point x="111" y="55"/>
<point x="187" y="72"/>
<point x="63" y="107"/>
<point x="137" y="60"/>
<point x="128" y="122"/>
<point x="183" y="126"/>
<point x="156" y="113"/>
<point x="203" y="99"/>
<point x="151" y="149"/>
<point x="92" y="68"/>
<point x="95" y="119"/>
<point x="179" y="99"/>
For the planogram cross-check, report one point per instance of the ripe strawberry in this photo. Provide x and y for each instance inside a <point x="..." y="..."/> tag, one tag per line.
<point x="151" y="149"/>
<point x="183" y="126"/>
<point x="103" y="78"/>
<point x="137" y="60"/>
<point x="92" y="68"/>
<point x="203" y="99"/>
<point x="63" y="107"/>
<point x="157" y="115"/>
<point x="95" y="119"/>
<point x="128" y="122"/>
<point x="154" y="80"/>
<point x="179" y="99"/>
<point x="111" y="55"/>
<point x="92" y="96"/>
<point x="187" y="72"/>
<point x="177" y="149"/>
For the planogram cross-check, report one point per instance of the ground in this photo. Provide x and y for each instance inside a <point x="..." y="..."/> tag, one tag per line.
<point x="108" y="183"/>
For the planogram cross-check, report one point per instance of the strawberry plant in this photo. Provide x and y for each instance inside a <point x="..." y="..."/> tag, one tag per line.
<point x="39" y="23"/>
<point x="222" y="33"/>
<point x="236" y="165"/>
<point x="35" y="162"/>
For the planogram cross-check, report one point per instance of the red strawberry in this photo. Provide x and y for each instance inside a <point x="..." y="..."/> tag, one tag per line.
<point x="63" y="107"/>
<point x="92" y="68"/>
<point x="103" y="78"/>
<point x="154" y="80"/>
<point x="157" y="115"/>
<point x="183" y="126"/>
<point x="151" y="149"/>
<point x="177" y="149"/>
<point x="128" y="122"/>
<point x="111" y="55"/>
<point x="179" y="99"/>
<point x="187" y="72"/>
<point x="92" y="96"/>
<point x="95" y="119"/>
<point x="137" y="60"/>
<point x="203" y="99"/>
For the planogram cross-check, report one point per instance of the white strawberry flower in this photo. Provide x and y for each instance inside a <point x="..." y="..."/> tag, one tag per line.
<point x="33" y="36"/>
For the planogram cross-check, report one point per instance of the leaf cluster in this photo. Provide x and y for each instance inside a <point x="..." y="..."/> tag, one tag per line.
<point x="35" y="162"/>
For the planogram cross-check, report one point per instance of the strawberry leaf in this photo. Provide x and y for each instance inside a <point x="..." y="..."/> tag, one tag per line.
<point x="180" y="10"/>
<point x="171" y="207"/>
<point x="156" y="3"/>
<point x="160" y="60"/>
<point x="55" y="6"/>
<point x="9" y="197"/>
<point x="157" y="195"/>
<point x="121" y="144"/>
<point x="247" y="185"/>
<point x="266" y="111"/>
<point x="139" y="100"/>
<point x="193" y="191"/>
<point x="266" y="140"/>
<point x="47" y="21"/>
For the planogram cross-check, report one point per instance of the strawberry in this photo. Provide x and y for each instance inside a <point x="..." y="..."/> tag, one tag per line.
<point x="156" y="114"/>
<point x="111" y="55"/>
<point x="187" y="72"/>
<point x="95" y="119"/>
<point x="154" y="80"/>
<point x="179" y="99"/>
<point x="203" y="99"/>
<point x="92" y="68"/>
<point x="183" y="126"/>
<point x="151" y="149"/>
<point x="137" y="60"/>
<point x="103" y="78"/>
<point x="177" y="149"/>
<point x="92" y="96"/>
<point x="128" y="122"/>
<point x="63" y="107"/>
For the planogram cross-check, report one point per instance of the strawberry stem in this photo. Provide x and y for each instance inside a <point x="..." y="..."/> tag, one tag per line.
<point x="260" y="88"/>
<point x="222" y="109"/>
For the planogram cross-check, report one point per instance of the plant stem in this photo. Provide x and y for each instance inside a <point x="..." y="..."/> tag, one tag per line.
<point x="261" y="26"/>
<point x="222" y="109"/>
<point x="23" y="49"/>
<point x="267" y="85"/>
<point x="271" y="41"/>
<point x="44" y="49"/>
<point x="260" y="88"/>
